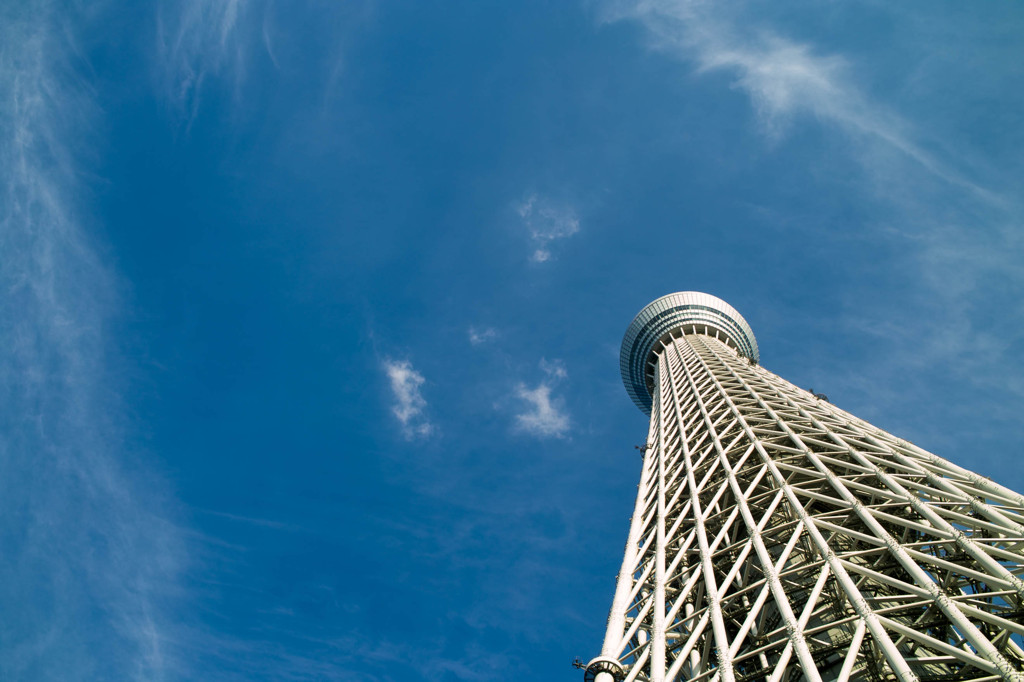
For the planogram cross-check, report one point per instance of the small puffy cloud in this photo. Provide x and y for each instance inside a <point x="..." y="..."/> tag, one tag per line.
<point x="554" y="368"/>
<point x="409" y="406"/>
<point x="544" y="416"/>
<point x="478" y="335"/>
<point x="545" y="223"/>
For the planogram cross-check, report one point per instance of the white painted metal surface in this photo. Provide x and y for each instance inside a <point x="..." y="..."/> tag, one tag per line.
<point x="776" y="537"/>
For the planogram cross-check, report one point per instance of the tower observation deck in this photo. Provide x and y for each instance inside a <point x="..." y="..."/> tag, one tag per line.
<point x="778" y="538"/>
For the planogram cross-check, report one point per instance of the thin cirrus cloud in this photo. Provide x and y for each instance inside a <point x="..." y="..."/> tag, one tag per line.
<point x="545" y="223"/>
<point x="544" y="415"/>
<point x="783" y="79"/>
<point x="954" y="233"/>
<point x="217" y="43"/>
<point x="90" y="561"/>
<point x="409" y="406"/>
<point x="197" y="40"/>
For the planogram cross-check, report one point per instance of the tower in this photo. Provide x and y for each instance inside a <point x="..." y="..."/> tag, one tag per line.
<point x="777" y="538"/>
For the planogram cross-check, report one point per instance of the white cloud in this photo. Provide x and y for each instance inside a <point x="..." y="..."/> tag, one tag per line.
<point x="784" y="79"/>
<point x="555" y="369"/>
<point x="410" y="406"/>
<point x="199" y="39"/>
<point x="544" y="415"/>
<point x="478" y="336"/>
<point x="960" y="240"/>
<point x="219" y="43"/>
<point x="90" y="561"/>
<point x="546" y="222"/>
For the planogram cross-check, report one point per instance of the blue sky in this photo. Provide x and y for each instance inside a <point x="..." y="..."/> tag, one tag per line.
<point x="311" y="310"/>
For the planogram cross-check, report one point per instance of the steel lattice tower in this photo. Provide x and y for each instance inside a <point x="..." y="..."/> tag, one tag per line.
<point x="776" y="537"/>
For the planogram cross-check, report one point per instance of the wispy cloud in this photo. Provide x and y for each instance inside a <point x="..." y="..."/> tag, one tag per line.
<point x="544" y="415"/>
<point x="545" y="223"/>
<point x="89" y="560"/>
<point x="199" y="40"/>
<point x="409" y="406"/>
<point x="481" y="335"/>
<point x="955" y="241"/>
<point x="784" y="79"/>
<point x="207" y="45"/>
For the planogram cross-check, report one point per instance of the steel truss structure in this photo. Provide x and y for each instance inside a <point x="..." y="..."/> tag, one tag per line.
<point x="776" y="537"/>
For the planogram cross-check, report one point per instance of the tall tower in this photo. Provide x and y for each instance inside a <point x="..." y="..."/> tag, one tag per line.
<point x="778" y="538"/>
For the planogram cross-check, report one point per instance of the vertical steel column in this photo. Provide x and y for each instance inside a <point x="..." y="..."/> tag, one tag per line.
<point x="657" y="637"/>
